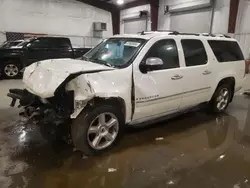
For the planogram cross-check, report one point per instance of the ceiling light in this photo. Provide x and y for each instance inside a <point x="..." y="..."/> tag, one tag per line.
<point x="120" y="2"/>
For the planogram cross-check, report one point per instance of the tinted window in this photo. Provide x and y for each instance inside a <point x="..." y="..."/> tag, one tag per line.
<point x="62" y="43"/>
<point x="41" y="43"/>
<point x="166" y="50"/>
<point x="226" y="51"/>
<point x="194" y="52"/>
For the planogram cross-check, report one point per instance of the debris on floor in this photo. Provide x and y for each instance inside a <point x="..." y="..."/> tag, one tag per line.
<point x="159" y="138"/>
<point x="84" y="157"/>
<point x="112" y="170"/>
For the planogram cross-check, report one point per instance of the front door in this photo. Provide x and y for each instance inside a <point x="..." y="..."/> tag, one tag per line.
<point x="39" y="49"/>
<point x="158" y="91"/>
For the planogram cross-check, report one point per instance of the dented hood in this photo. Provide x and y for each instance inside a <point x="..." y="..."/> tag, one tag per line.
<point x="44" y="77"/>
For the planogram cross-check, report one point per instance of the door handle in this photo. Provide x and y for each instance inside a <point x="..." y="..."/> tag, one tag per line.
<point x="177" y="77"/>
<point x="206" y="72"/>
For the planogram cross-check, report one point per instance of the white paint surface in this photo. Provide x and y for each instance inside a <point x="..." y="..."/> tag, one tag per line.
<point x="43" y="78"/>
<point x="64" y="17"/>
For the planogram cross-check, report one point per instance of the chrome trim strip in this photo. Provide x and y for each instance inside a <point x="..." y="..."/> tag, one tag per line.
<point x="138" y="102"/>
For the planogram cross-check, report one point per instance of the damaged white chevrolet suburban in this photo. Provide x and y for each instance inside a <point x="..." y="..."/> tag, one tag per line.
<point x="128" y="80"/>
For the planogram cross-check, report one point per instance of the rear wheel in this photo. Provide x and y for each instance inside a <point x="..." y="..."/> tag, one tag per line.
<point x="97" y="129"/>
<point x="11" y="70"/>
<point x="221" y="98"/>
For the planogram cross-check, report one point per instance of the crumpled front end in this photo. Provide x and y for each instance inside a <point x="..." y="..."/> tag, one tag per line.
<point x="46" y="97"/>
<point x="53" y="110"/>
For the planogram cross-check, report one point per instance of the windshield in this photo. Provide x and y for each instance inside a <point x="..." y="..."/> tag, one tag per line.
<point x="23" y="43"/>
<point x="9" y="44"/>
<point x="114" y="52"/>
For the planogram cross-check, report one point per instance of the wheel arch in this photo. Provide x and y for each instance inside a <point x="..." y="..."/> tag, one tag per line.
<point x="13" y="60"/>
<point x="227" y="80"/>
<point x="116" y="101"/>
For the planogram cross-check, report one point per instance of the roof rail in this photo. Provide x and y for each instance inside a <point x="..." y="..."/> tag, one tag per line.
<point x="201" y="34"/>
<point x="171" y="32"/>
<point x="207" y="34"/>
<point x="177" y="33"/>
<point x="151" y="32"/>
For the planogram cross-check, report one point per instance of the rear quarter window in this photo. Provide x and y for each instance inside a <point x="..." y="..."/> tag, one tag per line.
<point x="226" y="51"/>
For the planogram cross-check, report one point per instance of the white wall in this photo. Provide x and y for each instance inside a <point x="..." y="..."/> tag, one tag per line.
<point x="134" y="10"/>
<point x="221" y="16"/>
<point x="242" y="31"/>
<point x="54" y="17"/>
<point x="2" y="37"/>
<point x="196" y="21"/>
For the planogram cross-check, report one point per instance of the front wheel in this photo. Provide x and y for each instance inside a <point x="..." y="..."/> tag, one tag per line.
<point x="221" y="98"/>
<point x="97" y="129"/>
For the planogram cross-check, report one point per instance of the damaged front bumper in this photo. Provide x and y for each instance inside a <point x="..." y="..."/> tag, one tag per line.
<point x="55" y="110"/>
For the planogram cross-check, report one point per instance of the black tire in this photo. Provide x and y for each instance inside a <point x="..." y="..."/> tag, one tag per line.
<point x="213" y="104"/>
<point x="11" y="69"/>
<point x="80" y="127"/>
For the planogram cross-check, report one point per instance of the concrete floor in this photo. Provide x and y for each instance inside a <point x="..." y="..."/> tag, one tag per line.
<point x="193" y="150"/>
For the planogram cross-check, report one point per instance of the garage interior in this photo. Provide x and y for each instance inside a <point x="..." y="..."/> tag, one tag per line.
<point x="195" y="149"/>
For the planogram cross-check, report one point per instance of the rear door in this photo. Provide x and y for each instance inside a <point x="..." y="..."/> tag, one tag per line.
<point x="197" y="74"/>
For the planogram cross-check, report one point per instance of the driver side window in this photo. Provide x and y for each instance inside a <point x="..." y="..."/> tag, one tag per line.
<point x="167" y="51"/>
<point x="41" y="43"/>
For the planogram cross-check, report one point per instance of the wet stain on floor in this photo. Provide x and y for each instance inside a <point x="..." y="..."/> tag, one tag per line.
<point x="192" y="150"/>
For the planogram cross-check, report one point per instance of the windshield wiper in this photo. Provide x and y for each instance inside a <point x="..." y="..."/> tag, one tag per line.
<point x="85" y="58"/>
<point x="101" y="62"/>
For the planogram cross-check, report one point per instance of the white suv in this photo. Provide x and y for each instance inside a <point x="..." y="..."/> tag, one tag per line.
<point x="128" y="80"/>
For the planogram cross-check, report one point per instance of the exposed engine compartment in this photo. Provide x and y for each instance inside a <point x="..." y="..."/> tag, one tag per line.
<point x="54" y="110"/>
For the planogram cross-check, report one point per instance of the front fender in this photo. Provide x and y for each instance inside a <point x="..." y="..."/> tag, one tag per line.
<point x="110" y="84"/>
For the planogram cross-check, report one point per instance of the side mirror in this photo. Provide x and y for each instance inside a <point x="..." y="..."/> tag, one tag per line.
<point x="154" y="61"/>
<point x="151" y="64"/>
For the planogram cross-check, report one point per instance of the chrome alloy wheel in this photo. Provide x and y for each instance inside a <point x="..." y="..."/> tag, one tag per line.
<point x="11" y="70"/>
<point x="103" y="131"/>
<point x="222" y="99"/>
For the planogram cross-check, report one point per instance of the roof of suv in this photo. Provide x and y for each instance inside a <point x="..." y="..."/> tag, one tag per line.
<point x="149" y="35"/>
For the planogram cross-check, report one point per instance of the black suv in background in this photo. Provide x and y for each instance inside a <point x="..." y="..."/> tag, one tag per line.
<point x="12" y="60"/>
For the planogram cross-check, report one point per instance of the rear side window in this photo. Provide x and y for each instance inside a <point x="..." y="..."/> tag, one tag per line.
<point x="62" y="43"/>
<point x="226" y="51"/>
<point x="41" y="43"/>
<point x="194" y="52"/>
